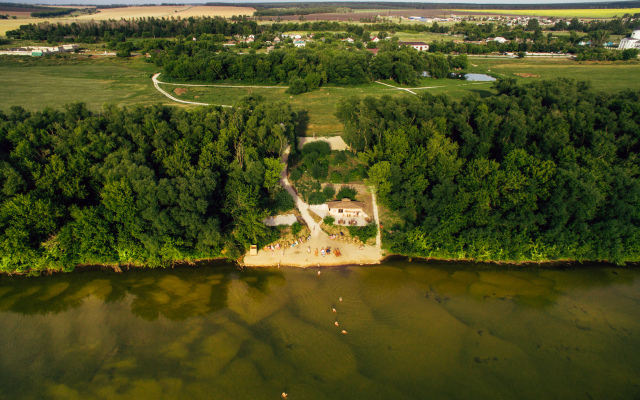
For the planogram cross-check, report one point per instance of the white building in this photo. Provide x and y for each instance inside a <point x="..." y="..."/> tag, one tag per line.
<point x="299" y="43"/>
<point x="500" y="40"/>
<point x="420" y="46"/>
<point x="631" y="43"/>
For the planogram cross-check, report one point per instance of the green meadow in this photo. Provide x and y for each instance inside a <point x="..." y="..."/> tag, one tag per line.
<point x="38" y="83"/>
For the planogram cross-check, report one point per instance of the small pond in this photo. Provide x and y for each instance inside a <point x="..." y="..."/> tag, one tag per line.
<point x="479" y="77"/>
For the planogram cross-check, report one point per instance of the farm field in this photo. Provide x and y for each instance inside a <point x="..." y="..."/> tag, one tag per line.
<point x="569" y="13"/>
<point x="182" y="11"/>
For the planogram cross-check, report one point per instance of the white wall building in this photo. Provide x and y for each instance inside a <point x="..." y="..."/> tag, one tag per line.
<point x="631" y="43"/>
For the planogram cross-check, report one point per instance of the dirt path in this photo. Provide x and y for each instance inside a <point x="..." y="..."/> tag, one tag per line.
<point x="155" y="83"/>
<point x="395" y="87"/>
<point x="375" y="218"/>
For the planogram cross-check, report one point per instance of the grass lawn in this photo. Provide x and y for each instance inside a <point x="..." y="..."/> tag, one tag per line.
<point x="95" y="82"/>
<point x="604" y="76"/>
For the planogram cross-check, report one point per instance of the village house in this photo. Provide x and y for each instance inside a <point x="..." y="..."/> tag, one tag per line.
<point x="348" y="212"/>
<point x="420" y="46"/>
<point x="299" y="43"/>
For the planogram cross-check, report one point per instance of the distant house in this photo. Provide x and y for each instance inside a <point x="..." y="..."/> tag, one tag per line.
<point x="299" y="43"/>
<point x="375" y="39"/>
<point x="632" y="42"/>
<point x="346" y="208"/>
<point x="420" y="46"/>
<point x="276" y="40"/>
<point x="349" y="40"/>
<point x="500" y="40"/>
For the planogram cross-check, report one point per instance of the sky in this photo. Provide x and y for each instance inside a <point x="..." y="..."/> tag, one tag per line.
<point x="137" y="2"/>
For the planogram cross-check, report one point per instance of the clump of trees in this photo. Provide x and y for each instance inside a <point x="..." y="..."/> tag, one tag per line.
<point x="544" y="171"/>
<point x="145" y="186"/>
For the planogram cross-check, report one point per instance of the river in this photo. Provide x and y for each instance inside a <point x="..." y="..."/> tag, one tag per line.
<point x="414" y="331"/>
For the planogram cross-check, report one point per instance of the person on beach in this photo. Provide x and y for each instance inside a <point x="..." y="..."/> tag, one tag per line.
<point x="309" y="249"/>
<point x="316" y="252"/>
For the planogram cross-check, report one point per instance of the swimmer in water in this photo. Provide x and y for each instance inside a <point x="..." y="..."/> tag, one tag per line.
<point x="340" y="298"/>
<point x="318" y="273"/>
<point x="284" y="395"/>
<point x="336" y="323"/>
<point x="334" y="311"/>
<point x="344" y="332"/>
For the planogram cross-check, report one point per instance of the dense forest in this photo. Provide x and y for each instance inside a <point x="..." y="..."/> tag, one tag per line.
<point x="544" y="171"/>
<point x="144" y="186"/>
<point x="309" y="68"/>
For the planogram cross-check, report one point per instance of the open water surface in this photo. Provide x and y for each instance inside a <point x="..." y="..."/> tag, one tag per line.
<point x="415" y="331"/>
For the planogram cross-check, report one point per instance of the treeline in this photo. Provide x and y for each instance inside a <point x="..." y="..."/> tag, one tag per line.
<point x="309" y="68"/>
<point x="445" y="6"/>
<point x="544" y="171"/>
<point x="53" y="12"/>
<point x="274" y="12"/>
<point x="151" y="27"/>
<point x="145" y="186"/>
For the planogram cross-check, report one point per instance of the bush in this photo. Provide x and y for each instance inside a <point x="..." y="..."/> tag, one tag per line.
<point x="297" y="86"/>
<point x="329" y="191"/>
<point x="321" y="147"/>
<point x="347" y="192"/>
<point x="317" y="198"/>
<point x="319" y="170"/>
<point x="283" y="201"/>
<point x="296" y="227"/>
<point x="339" y="158"/>
<point x="329" y="220"/>
<point x="363" y="233"/>
<point x="296" y="174"/>
<point x="336" y="177"/>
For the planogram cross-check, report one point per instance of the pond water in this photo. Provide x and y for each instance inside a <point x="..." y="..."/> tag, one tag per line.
<point x="414" y="331"/>
<point x="479" y="77"/>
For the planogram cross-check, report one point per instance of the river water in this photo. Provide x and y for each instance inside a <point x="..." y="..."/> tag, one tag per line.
<point x="414" y="331"/>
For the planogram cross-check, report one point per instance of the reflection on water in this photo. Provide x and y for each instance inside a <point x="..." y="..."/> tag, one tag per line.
<point x="414" y="330"/>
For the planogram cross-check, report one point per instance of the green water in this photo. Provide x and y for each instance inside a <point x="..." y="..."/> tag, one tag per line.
<point x="415" y="331"/>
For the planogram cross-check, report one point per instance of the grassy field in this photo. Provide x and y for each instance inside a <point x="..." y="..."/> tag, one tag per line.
<point x="95" y="82"/>
<point x="604" y="76"/>
<point x="578" y="13"/>
<point x="128" y="82"/>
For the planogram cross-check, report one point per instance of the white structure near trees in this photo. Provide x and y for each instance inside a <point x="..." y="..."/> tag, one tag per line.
<point x="631" y="43"/>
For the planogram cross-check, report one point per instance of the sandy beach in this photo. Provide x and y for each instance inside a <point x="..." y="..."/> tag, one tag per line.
<point x="299" y="256"/>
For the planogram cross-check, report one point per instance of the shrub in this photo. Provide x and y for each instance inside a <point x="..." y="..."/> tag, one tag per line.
<point x="347" y="192"/>
<point x="296" y="227"/>
<point x="336" y="177"/>
<point x="329" y="220"/>
<point x="283" y="201"/>
<point x="339" y="158"/>
<point x="296" y="174"/>
<point x="297" y="86"/>
<point x="319" y="170"/>
<point x="321" y="147"/>
<point x="317" y="198"/>
<point x="329" y="191"/>
<point x="364" y="233"/>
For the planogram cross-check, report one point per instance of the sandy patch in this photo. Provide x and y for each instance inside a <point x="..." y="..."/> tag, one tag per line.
<point x="526" y="75"/>
<point x="336" y="142"/>
<point x="180" y="91"/>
